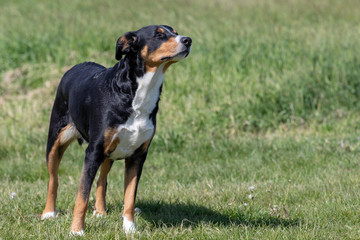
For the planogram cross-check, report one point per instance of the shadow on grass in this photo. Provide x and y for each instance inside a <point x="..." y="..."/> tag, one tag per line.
<point x="178" y="214"/>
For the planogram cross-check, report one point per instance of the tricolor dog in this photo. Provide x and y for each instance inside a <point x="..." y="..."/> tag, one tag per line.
<point x="114" y="110"/>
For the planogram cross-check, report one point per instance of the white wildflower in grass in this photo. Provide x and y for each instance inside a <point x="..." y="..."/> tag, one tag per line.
<point x="251" y="196"/>
<point x="251" y="188"/>
<point x="12" y="195"/>
<point x="137" y="211"/>
<point x="246" y="204"/>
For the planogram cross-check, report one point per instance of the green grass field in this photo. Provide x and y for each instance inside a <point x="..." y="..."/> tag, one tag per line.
<point x="269" y="97"/>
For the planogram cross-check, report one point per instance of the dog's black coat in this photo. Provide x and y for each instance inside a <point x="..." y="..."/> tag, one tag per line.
<point x="94" y="98"/>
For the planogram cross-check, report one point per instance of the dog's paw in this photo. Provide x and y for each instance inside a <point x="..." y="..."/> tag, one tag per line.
<point x="128" y="226"/>
<point x="49" y="215"/>
<point x="77" y="233"/>
<point x="98" y="214"/>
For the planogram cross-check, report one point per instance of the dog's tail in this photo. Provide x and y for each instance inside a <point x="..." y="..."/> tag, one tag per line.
<point x="59" y="122"/>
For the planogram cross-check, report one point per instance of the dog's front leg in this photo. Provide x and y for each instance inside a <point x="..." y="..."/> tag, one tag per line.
<point x="93" y="160"/>
<point x="133" y="169"/>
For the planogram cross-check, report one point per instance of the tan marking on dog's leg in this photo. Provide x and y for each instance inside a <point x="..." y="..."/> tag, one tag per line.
<point x="130" y="183"/>
<point x="78" y="221"/>
<point x="81" y="203"/>
<point x="112" y="146"/>
<point x="110" y="143"/>
<point x="100" y="202"/>
<point x="54" y="159"/>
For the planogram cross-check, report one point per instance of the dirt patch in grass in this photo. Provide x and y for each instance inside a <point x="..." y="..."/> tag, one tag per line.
<point x="12" y="88"/>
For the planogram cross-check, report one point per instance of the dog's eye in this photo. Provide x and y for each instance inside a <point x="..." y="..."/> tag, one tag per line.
<point x="160" y="35"/>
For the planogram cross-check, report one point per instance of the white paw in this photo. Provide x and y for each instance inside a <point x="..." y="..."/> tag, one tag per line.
<point x="77" y="233"/>
<point x="128" y="226"/>
<point x="49" y="215"/>
<point x="96" y="214"/>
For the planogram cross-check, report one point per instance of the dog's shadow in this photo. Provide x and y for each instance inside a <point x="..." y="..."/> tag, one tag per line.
<point x="185" y="214"/>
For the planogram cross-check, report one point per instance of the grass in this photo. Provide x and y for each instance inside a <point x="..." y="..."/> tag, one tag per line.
<point x="270" y="93"/>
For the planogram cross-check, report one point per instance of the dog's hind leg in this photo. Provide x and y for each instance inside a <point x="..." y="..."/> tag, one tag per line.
<point x="93" y="159"/>
<point x="101" y="188"/>
<point x="61" y="134"/>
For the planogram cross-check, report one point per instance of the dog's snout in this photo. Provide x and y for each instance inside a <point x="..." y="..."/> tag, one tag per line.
<point x="186" y="41"/>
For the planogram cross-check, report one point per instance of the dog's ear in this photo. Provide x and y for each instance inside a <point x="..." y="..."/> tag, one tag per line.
<point x="125" y="44"/>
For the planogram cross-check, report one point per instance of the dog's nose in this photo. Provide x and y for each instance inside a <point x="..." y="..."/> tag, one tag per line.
<point x="186" y="41"/>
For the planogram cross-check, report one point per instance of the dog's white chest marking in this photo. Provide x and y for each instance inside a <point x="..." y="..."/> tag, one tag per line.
<point x="139" y="127"/>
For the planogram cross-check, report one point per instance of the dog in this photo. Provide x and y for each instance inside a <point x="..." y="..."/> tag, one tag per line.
<point x="114" y="111"/>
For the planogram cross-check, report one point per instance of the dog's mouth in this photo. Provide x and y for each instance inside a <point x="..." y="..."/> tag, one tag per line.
<point x="177" y="56"/>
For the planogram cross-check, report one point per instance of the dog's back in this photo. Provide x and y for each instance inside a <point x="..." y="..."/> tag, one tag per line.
<point x="77" y="76"/>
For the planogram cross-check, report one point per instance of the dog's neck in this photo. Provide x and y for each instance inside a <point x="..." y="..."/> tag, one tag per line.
<point x="148" y="91"/>
<point x="141" y="83"/>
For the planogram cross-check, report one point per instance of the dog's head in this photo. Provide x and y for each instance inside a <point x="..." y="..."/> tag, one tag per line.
<point x="155" y="44"/>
